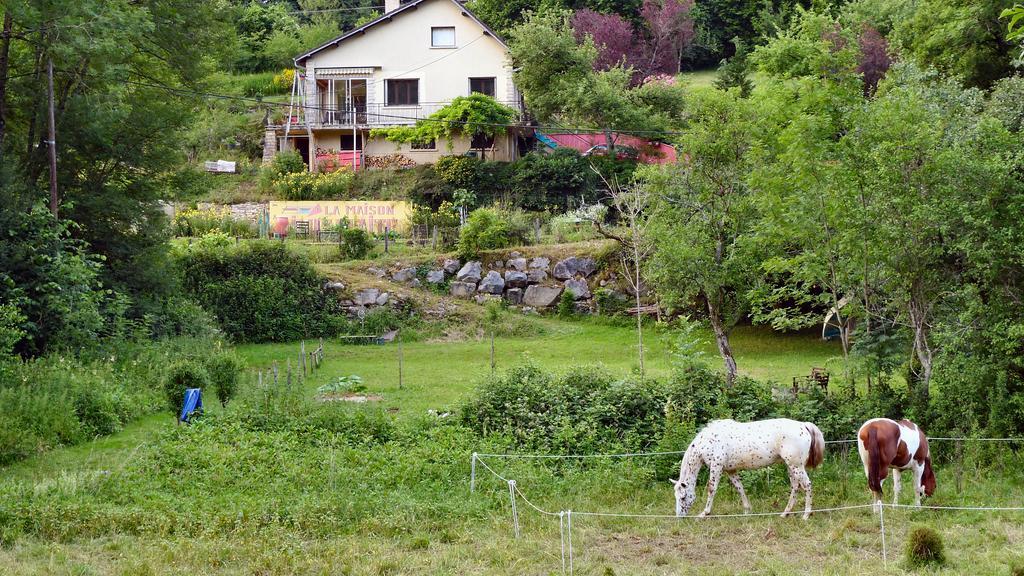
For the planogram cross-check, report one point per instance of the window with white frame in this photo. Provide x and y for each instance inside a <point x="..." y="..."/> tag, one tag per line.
<point x="483" y="86"/>
<point x="431" y="145"/>
<point x="442" y="37"/>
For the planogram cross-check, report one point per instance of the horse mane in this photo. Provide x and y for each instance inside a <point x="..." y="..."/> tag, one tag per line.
<point x="817" y="452"/>
<point x="875" y="461"/>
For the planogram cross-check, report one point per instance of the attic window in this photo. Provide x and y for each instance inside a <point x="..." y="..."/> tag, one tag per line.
<point x="442" y="37"/>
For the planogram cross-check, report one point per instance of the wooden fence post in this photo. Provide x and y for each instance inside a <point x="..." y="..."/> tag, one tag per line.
<point x="302" y="352"/>
<point x="433" y="240"/>
<point x="288" y="377"/>
<point x="399" y="362"/>
<point x="536" y="230"/>
<point x="387" y="239"/>
<point x="275" y="374"/>
<point x="492" y="352"/>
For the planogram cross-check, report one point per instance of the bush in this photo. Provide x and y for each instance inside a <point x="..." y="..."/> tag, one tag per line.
<point x="567" y="304"/>
<point x="193" y="223"/>
<point x="485" y="229"/>
<point x="262" y="292"/>
<point x="924" y="547"/>
<point x="458" y="171"/>
<point x="181" y="376"/>
<point x="314" y="186"/>
<point x="547" y="181"/>
<point x="224" y="369"/>
<point x="284" y="163"/>
<point x="356" y="243"/>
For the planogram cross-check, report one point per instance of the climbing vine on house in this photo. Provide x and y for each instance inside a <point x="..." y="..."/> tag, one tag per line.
<point x="477" y="116"/>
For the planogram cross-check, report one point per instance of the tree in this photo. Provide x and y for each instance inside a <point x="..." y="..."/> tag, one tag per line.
<point x="733" y="71"/>
<point x="874" y="58"/>
<point x="669" y="34"/>
<point x="477" y="117"/>
<point x="611" y="34"/>
<point x="1014" y="27"/>
<point x="703" y="213"/>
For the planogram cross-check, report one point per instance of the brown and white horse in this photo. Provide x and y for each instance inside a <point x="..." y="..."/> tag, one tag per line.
<point x="902" y="445"/>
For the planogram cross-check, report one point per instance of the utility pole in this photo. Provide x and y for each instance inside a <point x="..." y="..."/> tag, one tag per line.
<point x="52" y="141"/>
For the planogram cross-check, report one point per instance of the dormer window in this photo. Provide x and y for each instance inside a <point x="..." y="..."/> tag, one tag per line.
<point x="442" y="37"/>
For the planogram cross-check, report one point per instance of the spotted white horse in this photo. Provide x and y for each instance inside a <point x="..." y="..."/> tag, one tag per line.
<point x="729" y="446"/>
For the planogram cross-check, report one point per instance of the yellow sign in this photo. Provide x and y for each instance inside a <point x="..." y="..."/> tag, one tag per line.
<point x="370" y="215"/>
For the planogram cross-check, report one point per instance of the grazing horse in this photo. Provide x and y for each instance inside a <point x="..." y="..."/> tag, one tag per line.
<point x="885" y="444"/>
<point x="730" y="446"/>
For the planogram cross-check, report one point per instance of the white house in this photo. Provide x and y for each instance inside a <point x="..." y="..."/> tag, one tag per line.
<point x="397" y="69"/>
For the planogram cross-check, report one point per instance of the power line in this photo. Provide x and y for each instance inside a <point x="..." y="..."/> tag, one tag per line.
<point x="343" y="9"/>
<point x="307" y="107"/>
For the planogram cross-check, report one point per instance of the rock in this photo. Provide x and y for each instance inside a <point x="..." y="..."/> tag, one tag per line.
<point x="579" y="288"/>
<point x="357" y="311"/>
<point x="517" y="264"/>
<point x="514" y="296"/>
<point x="496" y="265"/>
<point x="540" y="263"/>
<point x="415" y="283"/>
<point x="582" y="307"/>
<point x="463" y="289"/>
<point x="527" y="310"/>
<point x="541" y="296"/>
<point x="378" y="272"/>
<point x="469" y="273"/>
<point x="515" y="279"/>
<point x="404" y="275"/>
<point x="333" y="285"/>
<point x="572" y="266"/>
<point x="536" y="276"/>
<point x="485" y="298"/>
<point x="450" y="266"/>
<point x="515" y="254"/>
<point x="347" y="303"/>
<point x="492" y="283"/>
<point x="367" y="297"/>
<point x="435" y="276"/>
<point x="382" y="299"/>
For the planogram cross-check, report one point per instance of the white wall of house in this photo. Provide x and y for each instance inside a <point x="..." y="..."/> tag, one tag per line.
<point x="401" y="48"/>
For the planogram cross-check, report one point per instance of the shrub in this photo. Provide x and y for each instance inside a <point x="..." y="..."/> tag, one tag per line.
<point x="262" y="292"/>
<point x="194" y="223"/>
<point x="458" y="171"/>
<point x="285" y="162"/>
<point x="547" y="181"/>
<point x="224" y="369"/>
<point x="356" y="243"/>
<point x="924" y="547"/>
<point x="485" y="229"/>
<point x="567" y="304"/>
<point x="314" y="186"/>
<point x="181" y="376"/>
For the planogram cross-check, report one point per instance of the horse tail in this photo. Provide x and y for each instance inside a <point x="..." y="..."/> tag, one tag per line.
<point x="817" y="452"/>
<point x="874" y="462"/>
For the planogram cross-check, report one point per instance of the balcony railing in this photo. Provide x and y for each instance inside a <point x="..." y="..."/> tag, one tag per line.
<point x="374" y="115"/>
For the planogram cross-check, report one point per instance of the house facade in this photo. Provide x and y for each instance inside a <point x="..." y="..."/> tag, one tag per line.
<point x="393" y="71"/>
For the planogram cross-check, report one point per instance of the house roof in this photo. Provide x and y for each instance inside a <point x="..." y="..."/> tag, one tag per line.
<point x="408" y="6"/>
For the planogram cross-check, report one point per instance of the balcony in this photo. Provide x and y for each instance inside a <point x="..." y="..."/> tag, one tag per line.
<point x="372" y="115"/>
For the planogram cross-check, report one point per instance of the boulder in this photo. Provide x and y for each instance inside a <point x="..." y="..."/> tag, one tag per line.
<point x="517" y="264"/>
<point x="435" y="276"/>
<point x="579" y="288"/>
<point x="415" y="283"/>
<point x="515" y="279"/>
<point x="378" y="272"/>
<point x="514" y="296"/>
<point x="515" y="254"/>
<point x="404" y="275"/>
<point x="367" y="297"/>
<point x="463" y="289"/>
<point x="382" y="299"/>
<point x="572" y="266"/>
<point x="496" y="265"/>
<point x="471" y="272"/>
<point x="492" y="283"/>
<point x="582" y="307"/>
<point x="333" y="285"/>
<point x="536" y="276"/>
<point x="540" y="263"/>
<point x="450" y="266"/>
<point x="537" y="296"/>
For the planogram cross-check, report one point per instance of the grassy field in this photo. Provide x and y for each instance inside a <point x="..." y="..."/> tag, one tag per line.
<point x="355" y="490"/>
<point x="436" y="374"/>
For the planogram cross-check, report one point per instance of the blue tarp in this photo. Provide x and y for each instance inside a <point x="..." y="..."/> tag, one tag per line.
<point x="193" y="404"/>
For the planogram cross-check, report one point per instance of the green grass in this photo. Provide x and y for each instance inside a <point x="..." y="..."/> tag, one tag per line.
<point x="325" y="498"/>
<point x="698" y="78"/>
<point x="437" y="374"/>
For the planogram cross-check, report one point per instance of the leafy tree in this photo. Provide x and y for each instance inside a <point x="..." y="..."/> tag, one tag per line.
<point x="733" y="71"/>
<point x="477" y="116"/>
<point x="669" y="27"/>
<point x="958" y="37"/>
<point x="702" y="214"/>
<point x="613" y="36"/>
<point x="874" y="58"/>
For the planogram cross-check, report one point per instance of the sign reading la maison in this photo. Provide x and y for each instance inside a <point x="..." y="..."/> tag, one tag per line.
<point x="370" y="215"/>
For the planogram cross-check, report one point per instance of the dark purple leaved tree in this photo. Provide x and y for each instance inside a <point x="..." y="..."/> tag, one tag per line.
<point x="874" y="58"/>
<point x="613" y="36"/>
